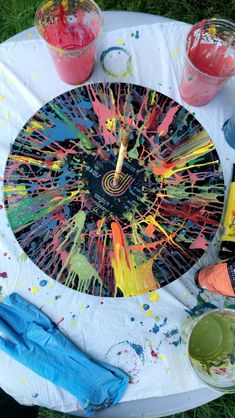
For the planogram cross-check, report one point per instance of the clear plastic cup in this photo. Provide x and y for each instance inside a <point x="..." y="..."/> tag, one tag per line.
<point x="229" y="131"/>
<point x="209" y="344"/>
<point x="70" y="29"/>
<point x="209" y="61"/>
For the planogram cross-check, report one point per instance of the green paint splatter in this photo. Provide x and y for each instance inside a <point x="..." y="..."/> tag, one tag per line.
<point x="78" y="263"/>
<point x="22" y="257"/>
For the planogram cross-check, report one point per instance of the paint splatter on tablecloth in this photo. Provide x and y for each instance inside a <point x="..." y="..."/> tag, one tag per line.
<point x="140" y="334"/>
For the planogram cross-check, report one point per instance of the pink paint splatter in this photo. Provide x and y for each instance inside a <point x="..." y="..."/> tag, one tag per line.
<point x="164" y="126"/>
<point x="199" y="242"/>
<point x="61" y="320"/>
<point x="154" y="354"/>
<point x="3" y="275"/>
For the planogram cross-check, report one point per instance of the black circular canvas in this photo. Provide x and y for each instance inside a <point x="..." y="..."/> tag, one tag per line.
<point x="104" y="240"/>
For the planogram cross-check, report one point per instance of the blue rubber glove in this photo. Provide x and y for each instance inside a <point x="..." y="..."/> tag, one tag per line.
<point x="33" y="340"/>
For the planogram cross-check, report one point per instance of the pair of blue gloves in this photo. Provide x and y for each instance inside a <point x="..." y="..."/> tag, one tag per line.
<point x="31" y="338"/>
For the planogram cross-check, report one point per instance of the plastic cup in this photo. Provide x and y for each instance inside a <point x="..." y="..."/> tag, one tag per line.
<point x="229" y="131"/>
<point x="209" y="61"/>
<point x="209" y="344"/>
<point x="70" y="29"/>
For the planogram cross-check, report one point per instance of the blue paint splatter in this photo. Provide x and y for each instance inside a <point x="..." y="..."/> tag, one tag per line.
<point x="146" y="307"/>
<point x="132" y="319"/>
<point x="155" y="328"/>
<point x="136" y="34"/>
<point x="138" y="349"/>
<point x="43" y="283"/>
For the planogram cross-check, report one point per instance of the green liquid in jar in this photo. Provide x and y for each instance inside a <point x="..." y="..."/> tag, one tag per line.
<point x="211" y="338"/>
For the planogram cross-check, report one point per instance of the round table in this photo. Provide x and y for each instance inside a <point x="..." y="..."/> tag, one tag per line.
<point x="156" y="406"/>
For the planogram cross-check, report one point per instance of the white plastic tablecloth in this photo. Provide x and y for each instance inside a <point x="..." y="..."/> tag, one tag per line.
<point x="138" y="334"/>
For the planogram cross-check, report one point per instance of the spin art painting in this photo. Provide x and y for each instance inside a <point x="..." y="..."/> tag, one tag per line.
<point x="96" y="238"/>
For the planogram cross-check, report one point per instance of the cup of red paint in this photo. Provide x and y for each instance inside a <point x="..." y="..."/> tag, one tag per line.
<point x="70" y="29"/>
<point x="209" y="61"/>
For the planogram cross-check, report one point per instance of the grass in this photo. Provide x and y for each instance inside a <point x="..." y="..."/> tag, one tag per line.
<point x="17" y="15"/>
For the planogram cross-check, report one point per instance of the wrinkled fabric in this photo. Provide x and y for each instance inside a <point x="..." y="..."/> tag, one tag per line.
<point x="31" y="338"/>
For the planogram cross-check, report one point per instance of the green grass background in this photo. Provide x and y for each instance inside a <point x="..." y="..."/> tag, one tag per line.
<point x="17" y="15"/>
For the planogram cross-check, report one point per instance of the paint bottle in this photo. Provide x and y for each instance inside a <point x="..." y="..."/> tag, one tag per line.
<point x="227" y="246"/>
<point x="218" y="278"/>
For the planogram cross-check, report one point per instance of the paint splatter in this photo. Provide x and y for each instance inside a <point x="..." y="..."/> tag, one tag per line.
<point x="43" y="283"/>
<point x="154" y="296"/>
<point x="135" y="35"/>
<point x="154" y="354"/>
<point x="23" y="257"/>
<point x="128" y="356"/>
<point x="3" y="275"/>
<point x="157" y="223"/>
<point x="176" y="52"/>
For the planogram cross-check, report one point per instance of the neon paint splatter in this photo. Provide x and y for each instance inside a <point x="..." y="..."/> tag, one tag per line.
<point x="110" y="60"/>
<point x="144" y="235"/>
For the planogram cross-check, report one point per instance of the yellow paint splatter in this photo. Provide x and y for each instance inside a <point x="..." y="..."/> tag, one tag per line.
<point x="29" y="35"/>
<point x="2" y="97"/>
<point x="73" y="323"/>
<point x="154" y="296"/>
<point x="120" y="42"/>
<point x="162" y="357"/>
<point x="161" y="133"/>
<point x="81" y="306"/>
<point x="38" y="125"/>
<point x="21" y="190"/>
<point x="6" y="118"/>
<point x="212" y="30"/>
<point x="22" y="379"/>
<point x="19" y="284"/>
<point x="22" y="257"/>
<point x="46" y="5"/>
<point x="56" y="165"/>
<point x="35" y="289"/>
<point x="51" y="285"/>
<point x="186" y="294"/>
<point x="35" y="77"/>
<point x="149" y="313"/>
<point x="10" y="81"/>
<point x="110" y="124"/>
<point x="176" y="52"/>
<point x="157" y="318"/>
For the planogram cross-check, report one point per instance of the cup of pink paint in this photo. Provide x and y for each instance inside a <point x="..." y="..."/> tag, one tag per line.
<point x="70" y="29"/>
<point x="209" y="61"/>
